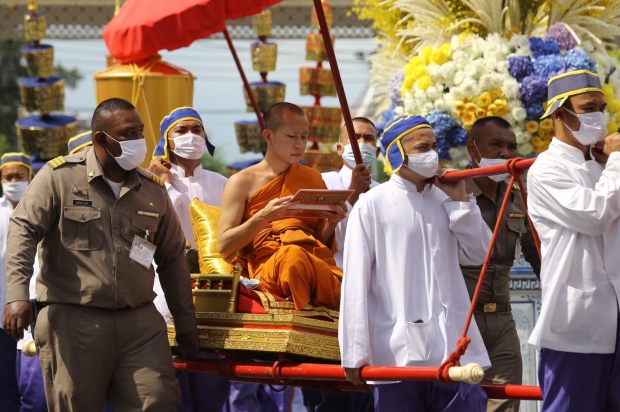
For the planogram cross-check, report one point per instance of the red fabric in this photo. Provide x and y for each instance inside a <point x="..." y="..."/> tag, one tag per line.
<point x="249" y="302"/>
<point x="143" y="28"/>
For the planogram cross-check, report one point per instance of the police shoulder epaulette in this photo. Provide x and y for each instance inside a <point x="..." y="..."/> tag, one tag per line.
<point x="151" y="176"/>
<point x="516" y="187"/>
<point x="57" y="162"/>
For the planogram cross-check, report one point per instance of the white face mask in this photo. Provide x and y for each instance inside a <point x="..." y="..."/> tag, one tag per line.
<point x="190" y="146"/>
<point x="484" y="162"/>
<point x="132" y="153"/>
<point x="14" y="190"/>
<point x="369" y="154"/>
<point x="424" y="164"/>
<point x="592" y="128"/>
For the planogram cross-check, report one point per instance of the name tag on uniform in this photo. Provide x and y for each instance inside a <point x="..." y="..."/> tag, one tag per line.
<point x="79" y="202"/>
<point x="142" y="251"/>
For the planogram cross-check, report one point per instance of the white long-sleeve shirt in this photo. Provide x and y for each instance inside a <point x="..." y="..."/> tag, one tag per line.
<point x="208" y="188"/>
<point x="341" y="181"/>
<point x="205" y="185"/>
<point x="6" y="208"/>
<point x="571" y="212"/>
<point x="404" y="301"/>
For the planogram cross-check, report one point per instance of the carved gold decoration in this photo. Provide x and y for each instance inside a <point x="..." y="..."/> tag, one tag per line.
<point x="315" y="47"/>
<point x="34" y="27"/>
<point x="262" y="23"/>
<point x="47" y="143"/>
<point x="323" y="160"/>
<point x="153" y="86"/>
<point x="264" y="56"/>
<point x="211" y="292"/>
<point x="43" y="98"/>
<point x="266" y="94"/>
<point x="329" y="17"/>
<point x="293" y="336"/>
<point x="315" y="81"/>
<point x="250" y="137"/>
<point x="39" y="61"/>
<point x="325" y="123"/>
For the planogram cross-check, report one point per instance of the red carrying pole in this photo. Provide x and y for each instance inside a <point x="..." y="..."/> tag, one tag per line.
<point x="333" y="64"/>
<point x="520" y="166"/>
<point x="246" y="84"/>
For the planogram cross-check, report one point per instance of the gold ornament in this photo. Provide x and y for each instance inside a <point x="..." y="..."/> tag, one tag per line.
<point x="264" y="56"/>
<point x="266" y="95"/>
<point x="46" y="142"/>
<point x="316" y="82"/>
<point x="315" y="47"/>
<point x="39" y="60"/>
<point x="250" y="137"/>
<point x="44" y="97"/>
<point x="262" y="23"/>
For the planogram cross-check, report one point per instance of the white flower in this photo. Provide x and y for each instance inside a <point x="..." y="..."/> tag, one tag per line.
<point x="519" y="40"/>
<point x="490" y="64"/>
<point x="525" y="149"/>
<point x="471" y="70"/>
<point x="459" y="77"/>
<point x="455" y="153"/>
<point x="470" y="87"/>
<point x="462" y="164"/>
<point x="519" y="114"/>
<point x="441" y="105"/>
<point x="432" y="93"/>
<point x="587" y="46"/>
<point x="428" y="108"/>
<point x="523" y="136"/>
<point x="399" y="110"/>
<point x="511" y="88"/>
<point x="510" y="119"/>
<point x="502" y="66"/>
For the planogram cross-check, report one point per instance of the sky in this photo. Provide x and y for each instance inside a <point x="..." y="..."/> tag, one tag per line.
<point x="218" y="93"/>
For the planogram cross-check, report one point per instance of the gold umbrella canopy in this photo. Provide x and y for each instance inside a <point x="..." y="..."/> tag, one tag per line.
<point x="153" y="86"/>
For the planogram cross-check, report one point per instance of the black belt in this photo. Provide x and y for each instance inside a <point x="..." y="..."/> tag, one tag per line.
<point x="493" y="307"/>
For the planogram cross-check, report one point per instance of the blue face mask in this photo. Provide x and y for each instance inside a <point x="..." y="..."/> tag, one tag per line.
<point x="369" y="154"/>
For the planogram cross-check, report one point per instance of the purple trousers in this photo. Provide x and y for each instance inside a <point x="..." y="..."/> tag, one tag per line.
<point x="249" y="397"/>
<point x="580" y="382"/>
<point x="429" y="397"/>
<point x="30" y="383"/>
<point x="9" y="393"/>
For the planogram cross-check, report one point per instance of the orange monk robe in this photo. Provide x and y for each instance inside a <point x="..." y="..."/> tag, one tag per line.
<point x="286" y="257"/>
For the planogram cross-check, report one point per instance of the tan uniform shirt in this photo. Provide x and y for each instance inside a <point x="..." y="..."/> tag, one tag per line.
<point x="514" y="228"/>
<point x="86" y="235"/>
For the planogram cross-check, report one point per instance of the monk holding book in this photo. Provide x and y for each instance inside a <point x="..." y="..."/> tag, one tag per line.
<point x="290" y="255"/>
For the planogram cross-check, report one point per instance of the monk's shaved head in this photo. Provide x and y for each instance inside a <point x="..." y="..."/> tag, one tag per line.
<point x="274" y="118"/>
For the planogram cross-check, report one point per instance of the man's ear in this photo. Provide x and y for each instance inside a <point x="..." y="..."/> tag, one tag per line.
<point x="558" y="114"/>
<point x="378" y="151"/>
<point x="339" y="149"/>
<point x="267" y="136"/>
<point x="99" y="139"/>
<point x="471" y="149"/>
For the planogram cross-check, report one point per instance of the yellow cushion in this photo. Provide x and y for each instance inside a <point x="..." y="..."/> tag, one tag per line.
<point x="205" y="219"/>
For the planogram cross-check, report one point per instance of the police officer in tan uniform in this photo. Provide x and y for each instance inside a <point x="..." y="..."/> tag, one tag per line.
<point x="101" y="221"/>
<point x="492" y="142"/>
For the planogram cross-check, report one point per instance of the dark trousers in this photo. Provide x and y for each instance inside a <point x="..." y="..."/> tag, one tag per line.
<point x="429" y="397"/>
<point x="9" y="393"/>
<point x="321" y="401"/>
<point x="580" y="381"/>
<point x="30" y="383"/>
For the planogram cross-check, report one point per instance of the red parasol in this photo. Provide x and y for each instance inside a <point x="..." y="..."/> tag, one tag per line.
<point x="142" y="28"/>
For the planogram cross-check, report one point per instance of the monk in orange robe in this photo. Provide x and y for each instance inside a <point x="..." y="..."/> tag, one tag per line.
<point x="291" y="256"/>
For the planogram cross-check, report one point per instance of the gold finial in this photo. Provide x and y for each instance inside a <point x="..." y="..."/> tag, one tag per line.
<point x="32" y="7"/>
<point x="117" y="6"/>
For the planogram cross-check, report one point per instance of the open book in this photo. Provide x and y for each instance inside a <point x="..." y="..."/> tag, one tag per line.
<point x="316" y="200"/>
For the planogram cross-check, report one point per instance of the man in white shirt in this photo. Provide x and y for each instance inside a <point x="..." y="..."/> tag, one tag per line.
<point x="404" y="301"/>
<point x="351" y="176"/>
<point x="577" y="331"/>
<point x="16" y="173"/>
<point x="177" y="161"/>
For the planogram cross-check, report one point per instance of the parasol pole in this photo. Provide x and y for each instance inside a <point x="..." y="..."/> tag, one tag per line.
<point x="248" y="89"/>
<point x="342" y="98"/>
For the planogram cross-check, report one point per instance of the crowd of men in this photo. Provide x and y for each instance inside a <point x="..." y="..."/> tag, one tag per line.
<point x="100" y="243"/>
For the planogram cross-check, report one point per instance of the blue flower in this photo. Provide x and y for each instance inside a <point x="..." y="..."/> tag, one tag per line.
<point x="533" y="90"/>
<point x="540" y="47"/>
<point x="448" y="133"/>
<point x="386" y="117"/>
<point x="578" y="59"/>
<point x="458" y="136"/>
<point x="560" y="33"/>
<point x="520" y="67"/>
<point x="534" y="112"/>
<point x="549" y="66"/>
<point x="395" y="89"/>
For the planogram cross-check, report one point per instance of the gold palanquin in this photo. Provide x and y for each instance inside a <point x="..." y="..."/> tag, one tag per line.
<point x="153" y="86"/>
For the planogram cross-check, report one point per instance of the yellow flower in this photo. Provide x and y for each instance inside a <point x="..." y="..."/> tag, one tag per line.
<point x="536" y="142"/>
<point x="531" y="126"/>
<point x="459" y="105"/>
<point x="546" y="133"/>
<point x="480" y="113"/>
<point x="544" y="146"/>
<point x="612" y="127"/>
<point x="613" y="106"/>
<point x="446" y="48"/>
<point x="426" y="53"/>
<point x="469" y="118"/>
<point x="493" y="95"/>
<point x="466" y="99"/>
<point x="407" y="85"/>
<point x="470" y="107"/>
<point x="419" y="71"/>
<point x="439" y="56"/>
<point x="608" y="92"/>
<point x="492" y="108"/>
<point x="546" y="124"/>
<point x="424" y="82"/>
<point x="485" y="99"/>
<point x="500" y="102"/>
<point x="460" y="113"/>
<point x="476" y="101"/>
<point x="415" y="62"/>
<point x="503" y="111"/>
